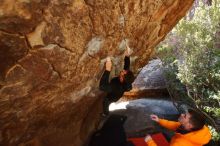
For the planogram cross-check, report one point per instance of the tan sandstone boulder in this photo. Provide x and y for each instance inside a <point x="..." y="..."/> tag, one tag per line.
<point x="51" y="58"/>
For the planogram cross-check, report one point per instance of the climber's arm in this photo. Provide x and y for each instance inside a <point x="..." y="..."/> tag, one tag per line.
<point x="127" y="54"/>
<point x="126" y="63"/>
<point x="104" y="84"/>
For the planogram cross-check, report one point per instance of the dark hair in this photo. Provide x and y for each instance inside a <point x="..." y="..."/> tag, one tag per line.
<point x="129" y="77"/>
<point x="196" y="119"/>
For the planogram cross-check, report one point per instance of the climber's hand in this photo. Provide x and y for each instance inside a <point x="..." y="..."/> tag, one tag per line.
<point x="108" y="64"/>
<point x="128" y="50"/>
<point x="147" y="138"/>
<point x="154" y="118"/>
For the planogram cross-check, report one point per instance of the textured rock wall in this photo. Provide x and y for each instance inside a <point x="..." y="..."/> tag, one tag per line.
<point x="51" y="59"/>
<point x="149" y="83"/>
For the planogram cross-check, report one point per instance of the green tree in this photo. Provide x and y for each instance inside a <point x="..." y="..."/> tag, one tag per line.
<point x="191" y="56"/>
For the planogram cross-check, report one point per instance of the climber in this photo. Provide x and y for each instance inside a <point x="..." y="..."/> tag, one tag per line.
<point x="190" y="130"/>
<point x="118" y="85"/>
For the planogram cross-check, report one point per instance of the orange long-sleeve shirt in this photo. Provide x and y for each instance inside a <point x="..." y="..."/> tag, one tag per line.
<point x="195" y="138"/>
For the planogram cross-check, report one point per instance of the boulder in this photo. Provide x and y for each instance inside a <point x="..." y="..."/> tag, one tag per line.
<point x="52" y="54"/>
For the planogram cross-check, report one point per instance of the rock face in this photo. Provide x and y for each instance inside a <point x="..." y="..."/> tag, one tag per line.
<point x="151" y="76"/>
<point x="150" y="82"/>
<point x="138" y="113"/>
<point x="51" y="58"/>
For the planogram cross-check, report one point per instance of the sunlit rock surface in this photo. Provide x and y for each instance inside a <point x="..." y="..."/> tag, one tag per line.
<point x="51" y="59"/>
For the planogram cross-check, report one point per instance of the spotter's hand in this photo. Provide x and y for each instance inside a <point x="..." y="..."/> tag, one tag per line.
<point x="154" y="118"/>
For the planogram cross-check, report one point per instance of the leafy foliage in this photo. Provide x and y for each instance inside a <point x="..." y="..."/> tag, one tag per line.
<point x="191" y="54"/>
